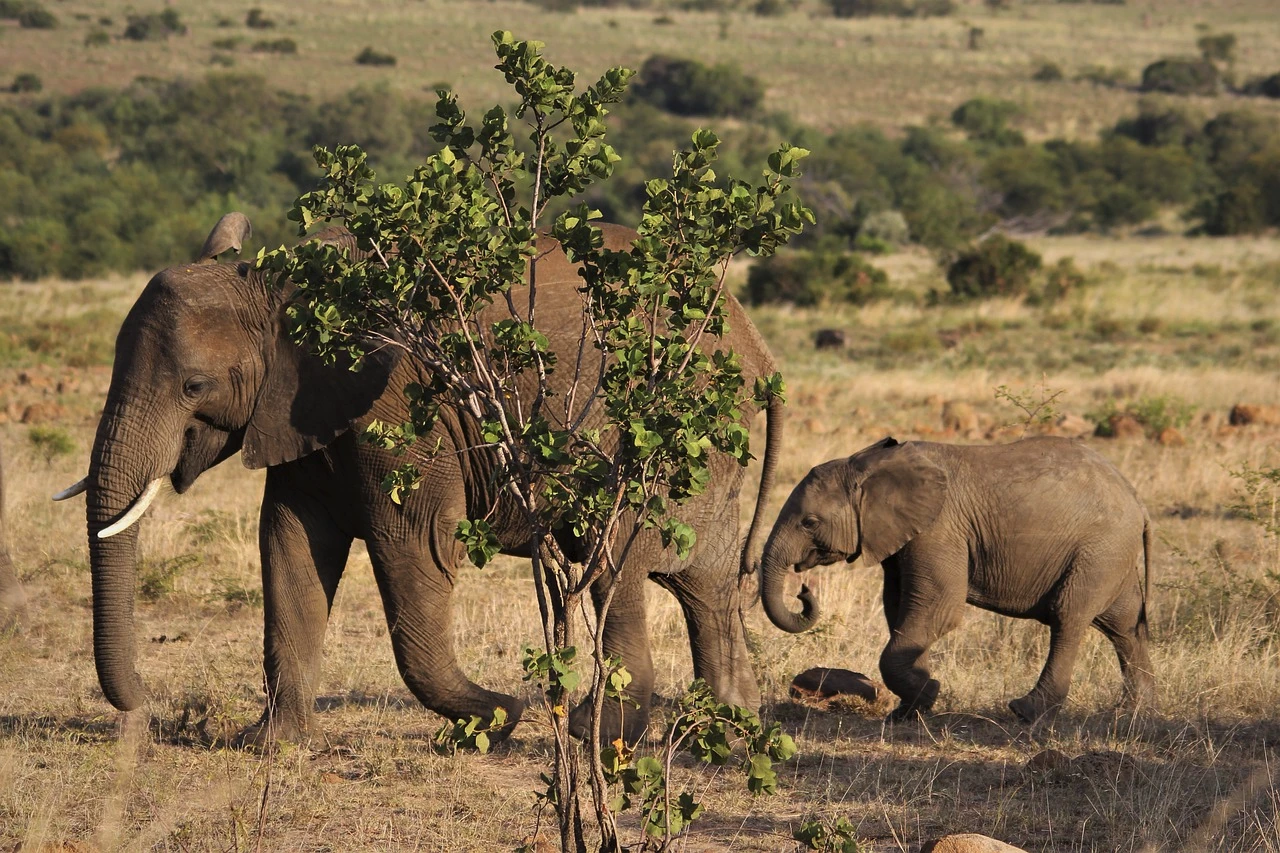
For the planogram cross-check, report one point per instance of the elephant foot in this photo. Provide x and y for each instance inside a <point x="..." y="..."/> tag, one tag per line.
<point x="265" y="734"/>
<point x="628" y="723"/>
<point x="919" y="706"/>
<point x="1030" y="709"/>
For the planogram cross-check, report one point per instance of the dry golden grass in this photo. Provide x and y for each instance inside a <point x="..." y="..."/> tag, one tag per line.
<point x="1193" y="774"/>
<point x="824" y="72"/>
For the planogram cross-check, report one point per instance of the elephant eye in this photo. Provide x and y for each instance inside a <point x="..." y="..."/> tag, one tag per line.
<point x="196" y="386"/>
<point x="810" y="522"/>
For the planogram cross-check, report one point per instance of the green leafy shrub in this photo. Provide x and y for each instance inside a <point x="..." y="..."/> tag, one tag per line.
<point x="26" y="82"/>
<point x="11" y="9"/>
<point x="50" y="443"/>
<point x="97" y="38"/>
<point x="828" y="836"/>
<point x="687" y="87"/>
<point x="255" y="19"/>
<point x="815" y="277"/>
<point x="1266" y="87"/>
<point x="228" y="43"/>
<point x="35" y="17"/>
<point x="998" y="266"/>
<point x="369" y="56"/>
<point x="987" y="119"/>
<point x="1048" y="72"/>
<point x="155" y="27"/>
<point x="891" y="8"/>
<point x="1061" y="280"/>
<point x="1217" y="48"/>
<point x="1155" y="414"/>
<point x="771" y="8"/>
<point x="1236" y="210"/>
<point x="281" y="45"/>
<point x="1181" y="76"/>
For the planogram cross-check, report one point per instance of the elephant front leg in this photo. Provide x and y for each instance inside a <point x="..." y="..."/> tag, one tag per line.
<point x="416" y="595"/>
<point x="919" y="611"/>
<point x="303" y="555"/>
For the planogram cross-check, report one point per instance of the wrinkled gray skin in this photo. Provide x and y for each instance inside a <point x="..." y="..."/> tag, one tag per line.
<point x="1042" y="529"/>
<point x="11" y="595"/>
<point x="203" y="370"/>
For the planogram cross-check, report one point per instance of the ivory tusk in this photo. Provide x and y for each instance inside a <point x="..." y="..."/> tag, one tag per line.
<point x="72" y="490"/>
<point x="135" y="512"/>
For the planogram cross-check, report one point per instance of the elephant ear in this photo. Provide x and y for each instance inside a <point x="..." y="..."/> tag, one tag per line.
<point x="304" y="404"/>
<point x="901" y="494"/>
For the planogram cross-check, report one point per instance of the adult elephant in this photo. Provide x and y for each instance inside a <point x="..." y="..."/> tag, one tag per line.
<point x="11" y="595"/>
<point x="203" y="369"/>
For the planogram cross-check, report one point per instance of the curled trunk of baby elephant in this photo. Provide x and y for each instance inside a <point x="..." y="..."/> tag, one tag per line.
<point x="773" y="575"/>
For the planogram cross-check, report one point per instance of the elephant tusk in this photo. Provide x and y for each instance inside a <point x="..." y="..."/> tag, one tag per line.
<point x="72" y="490"/>
<point x="135" y="512"/>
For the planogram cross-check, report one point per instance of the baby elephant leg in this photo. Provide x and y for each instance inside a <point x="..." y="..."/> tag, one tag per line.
<point x="1125" y="624"/>
<point x="1055" y="681"/>
<point x="904" y="663"/>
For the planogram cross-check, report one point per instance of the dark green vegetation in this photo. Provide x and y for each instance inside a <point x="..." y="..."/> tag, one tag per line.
<point x="131" y="178"/>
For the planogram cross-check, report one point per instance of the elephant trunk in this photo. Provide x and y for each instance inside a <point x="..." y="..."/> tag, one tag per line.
<point x="120" y="470"/>
<point x="773" y="572"/>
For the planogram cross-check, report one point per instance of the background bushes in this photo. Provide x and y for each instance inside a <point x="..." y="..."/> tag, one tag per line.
<point x="998" y="266"/>
<point x="687" y="87"/>
<point x="815" y="277"/>
<point x="1181" y="76"/>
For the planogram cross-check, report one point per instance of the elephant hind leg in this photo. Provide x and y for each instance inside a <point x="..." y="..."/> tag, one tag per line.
<point x="1055" y="680"/>
<point x="1124" y="623"/>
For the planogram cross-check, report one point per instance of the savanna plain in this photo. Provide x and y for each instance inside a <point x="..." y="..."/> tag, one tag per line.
<point x="1175" y="330"/>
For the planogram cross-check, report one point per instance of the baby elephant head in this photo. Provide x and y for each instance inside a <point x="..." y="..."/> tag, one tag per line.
<point x="870" y="504"/>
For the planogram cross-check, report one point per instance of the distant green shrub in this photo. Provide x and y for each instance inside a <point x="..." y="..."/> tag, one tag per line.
<point x="1048" y="72"/>
<point x="26" y="82"/>
<point x="50" y="443"/>
<point x="687" y="87"/>
<point x="1236" y="210"/>
<point x="97" y="38"/>
<point x="1101" y="75"/>
<point x="1181" y="76"/>
<point x="222" y="60"/>
<point x="282" y="45"/>
<point x="11" y="9"/>
<point x="1155" y="414"/>
<point x="998" y="266"/>
<point x="986" y="119"/>
<point x="228" y="43"/>
<point x="1217" y="48"/>
<point x="815" y="277"/>
<point x="771" y="8"/>
<point x="257" y="20"/>
<point x="891" y="8"/>
<point x="1061" y="280"/>
<point x="369" y="56"/>
<point x="155" y="27"/>
<point x="1266" y="87"/>
<point x="886" y="226"/>
<point x="37" y="18"/>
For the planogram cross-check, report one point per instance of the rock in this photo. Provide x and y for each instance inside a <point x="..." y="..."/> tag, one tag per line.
<point x="1170" y="437"/>
<point x="1124" y="427"/>
<point x="959" y="416"/>
<point x="39" y="413"/>
<point x="1073" y="426"/>
<point x="1048" y="764"/>
<point x="823" y="683"/>
<point x="968" y="842"/>
<point x="829" y="339"/>
<point x="1248" y="414"/>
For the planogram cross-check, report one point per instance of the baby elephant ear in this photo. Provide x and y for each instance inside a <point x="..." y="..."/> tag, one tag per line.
<point x="231" y="230"/>
<point x="901" y="495"/>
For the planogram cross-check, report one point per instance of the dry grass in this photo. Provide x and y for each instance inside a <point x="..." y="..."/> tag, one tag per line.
<point x="825" y="72"/>
<point x="1195" y="774"/>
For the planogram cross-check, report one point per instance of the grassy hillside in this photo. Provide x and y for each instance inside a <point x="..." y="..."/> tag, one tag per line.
<point x="825" y="72"/>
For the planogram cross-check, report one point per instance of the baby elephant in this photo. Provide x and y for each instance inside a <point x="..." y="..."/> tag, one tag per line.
<point x="1042" y="529"/>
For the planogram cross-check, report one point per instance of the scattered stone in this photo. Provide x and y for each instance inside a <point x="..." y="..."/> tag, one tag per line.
<point x="968" y="842"/>
<point x="1123" y="427"/>
<point x="1073" y="426"/>
<point x="959" y="416"/>
<point x="1049" y="764"/>
<point x="829" y="339"/>
<point x="823" y="683"/>
<point x="1170" y="437"/>
<point x="39" y="413"/>
<point x="1248" y="414"/>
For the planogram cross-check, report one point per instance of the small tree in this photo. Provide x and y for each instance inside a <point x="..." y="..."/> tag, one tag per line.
<point x="440" y="260"/>
<point x="997" y="266"/>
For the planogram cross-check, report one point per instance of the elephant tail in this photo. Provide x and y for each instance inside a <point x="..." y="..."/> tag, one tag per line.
<point x="1146" y="567"/>
<point x="752" y="549"/>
